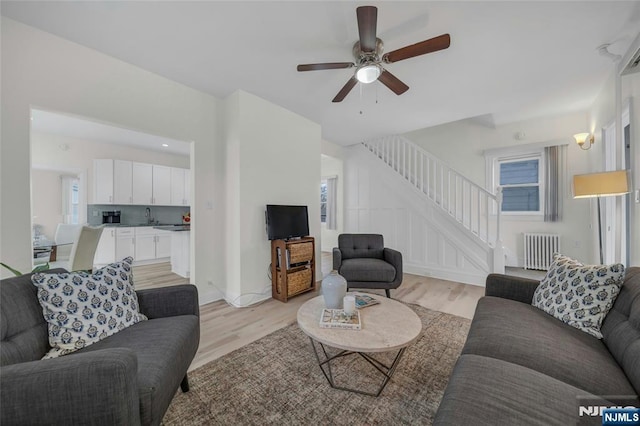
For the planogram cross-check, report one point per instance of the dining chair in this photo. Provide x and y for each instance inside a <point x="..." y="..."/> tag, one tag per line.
<point x="83" y="250"/>
<point x="65" y="235"/>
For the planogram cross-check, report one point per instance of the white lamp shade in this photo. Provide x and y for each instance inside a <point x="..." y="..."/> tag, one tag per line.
<point x="601" y="184"/>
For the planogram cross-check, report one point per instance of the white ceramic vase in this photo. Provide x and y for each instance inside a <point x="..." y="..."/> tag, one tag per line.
<point x="334" y="288"/>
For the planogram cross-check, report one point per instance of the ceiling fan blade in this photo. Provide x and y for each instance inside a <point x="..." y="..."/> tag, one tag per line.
<point x="424" y="47"/>
<point x="345" y="90"/>
<point x="393" y="83"/>
<point x="367" y="22"/>
<point x="325" y="66"/>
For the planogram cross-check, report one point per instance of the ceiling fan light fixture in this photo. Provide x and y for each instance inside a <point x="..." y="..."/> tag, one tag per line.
<point x="368" y="73"/>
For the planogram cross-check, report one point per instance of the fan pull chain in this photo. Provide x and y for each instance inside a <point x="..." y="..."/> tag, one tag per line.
<point x="360" y="97"/>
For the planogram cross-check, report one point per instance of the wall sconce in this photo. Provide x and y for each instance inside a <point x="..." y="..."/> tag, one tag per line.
<point x="581" y="138"/>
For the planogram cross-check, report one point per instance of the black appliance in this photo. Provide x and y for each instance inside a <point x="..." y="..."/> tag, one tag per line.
<point x="111" y="216"/>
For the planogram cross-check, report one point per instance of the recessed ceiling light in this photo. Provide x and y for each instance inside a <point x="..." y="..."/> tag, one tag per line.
<point x="165" y="145"/>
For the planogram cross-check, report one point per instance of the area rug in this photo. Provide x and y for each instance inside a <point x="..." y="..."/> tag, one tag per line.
<point x="276" y="380"/>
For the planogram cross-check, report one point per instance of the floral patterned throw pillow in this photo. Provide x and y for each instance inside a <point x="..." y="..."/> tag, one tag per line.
<point x="82" y="308"/>
<point x="579" y="295"/>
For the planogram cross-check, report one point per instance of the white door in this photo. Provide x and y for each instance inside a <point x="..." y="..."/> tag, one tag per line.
<point x="161" y="185"/>
<point x="102" y="181"/>
<point x="163" y="244"/>
<point x="122" y="182"/>
<point x="142" y="183"/>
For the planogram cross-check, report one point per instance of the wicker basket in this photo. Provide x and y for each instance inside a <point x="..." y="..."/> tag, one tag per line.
<point x="302" y="252"/>
<point x="297" y="281"/>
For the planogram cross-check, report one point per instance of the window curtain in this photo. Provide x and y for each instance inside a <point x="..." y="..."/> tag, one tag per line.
<point x="555" y="160"/>
<point x="332" y="189"/>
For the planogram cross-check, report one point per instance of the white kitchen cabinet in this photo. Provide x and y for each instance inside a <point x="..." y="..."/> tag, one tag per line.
<point x="106" y="250"/>
<point x="145" y="243"/>
<point x="151" y="244"/>
<point x="125" y="243"/>
<point x="187" y="187"/>
<point x="127" y="182"/>
<point x="142" y="183"/>
<point x="102" y="181"/>
<point x="180" y="186"/>
<point x="122" y="182"/>
<point x="163" y="244"/>
<point x="181" y="253"/>
<point x="161" y="185"/>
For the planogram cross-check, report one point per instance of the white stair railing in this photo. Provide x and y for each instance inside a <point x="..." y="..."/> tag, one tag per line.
<point x="472" y="206"/>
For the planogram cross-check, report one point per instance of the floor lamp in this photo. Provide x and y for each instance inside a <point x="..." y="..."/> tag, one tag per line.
<point x="600" y="185"/>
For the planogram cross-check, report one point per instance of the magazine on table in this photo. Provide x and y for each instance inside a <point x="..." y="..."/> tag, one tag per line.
<point x="336" y="318"/>
<point x="363" y="300"/>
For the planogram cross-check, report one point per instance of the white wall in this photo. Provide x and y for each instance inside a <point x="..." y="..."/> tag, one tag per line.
<point x="80" y="153"/>
<point x="462" y="144"/>
<point x="46" y="72"/>
<point x="272" y="158"/>
<point x="330" y="167"/>
<point x="47" y="200"/>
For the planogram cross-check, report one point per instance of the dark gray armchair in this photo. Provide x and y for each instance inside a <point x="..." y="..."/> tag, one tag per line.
<point x="364" y="262"/>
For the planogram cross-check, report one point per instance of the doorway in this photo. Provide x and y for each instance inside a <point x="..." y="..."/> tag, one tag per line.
<point x="64" y="150"/>
<point x="615" y="220"/>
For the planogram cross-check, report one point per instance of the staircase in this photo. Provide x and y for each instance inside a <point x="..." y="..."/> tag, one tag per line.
<point x="471" y="207"/>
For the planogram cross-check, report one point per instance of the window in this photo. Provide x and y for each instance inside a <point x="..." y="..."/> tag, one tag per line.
<point x="521" y="184"/>
<point x="323" y="201"/>
<point x="70" y="186"/>
<point x="74" y="203"/>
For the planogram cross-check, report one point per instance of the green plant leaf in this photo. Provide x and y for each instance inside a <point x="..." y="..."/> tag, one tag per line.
<point x="41" y="268"/>
<point x="15" y="271"/>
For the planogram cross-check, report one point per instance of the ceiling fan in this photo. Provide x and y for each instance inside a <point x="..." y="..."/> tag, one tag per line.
<point x="369" y="58"/>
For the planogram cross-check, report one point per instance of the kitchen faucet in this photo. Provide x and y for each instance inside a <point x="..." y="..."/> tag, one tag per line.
<point x="147" y="214"/>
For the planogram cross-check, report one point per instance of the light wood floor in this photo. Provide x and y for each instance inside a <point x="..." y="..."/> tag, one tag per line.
<point x="224" y="328"/>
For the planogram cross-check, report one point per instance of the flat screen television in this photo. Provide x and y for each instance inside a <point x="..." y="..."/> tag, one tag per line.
<point x="286" y="222"/>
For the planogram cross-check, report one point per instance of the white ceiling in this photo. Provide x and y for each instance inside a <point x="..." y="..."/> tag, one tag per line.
<point x="509" y="60"/>
<point x="80" y="128"/>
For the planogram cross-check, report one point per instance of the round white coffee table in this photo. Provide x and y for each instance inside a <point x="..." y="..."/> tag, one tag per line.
<point x="387" y="326"/>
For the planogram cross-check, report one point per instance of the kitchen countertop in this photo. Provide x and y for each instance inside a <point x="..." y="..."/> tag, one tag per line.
<point x="135" y="225"/>
<point x="173" y="227"/>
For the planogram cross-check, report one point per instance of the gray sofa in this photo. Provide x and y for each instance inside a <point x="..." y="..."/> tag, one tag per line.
<point x="128" y="378"/>
<point x="521" y="366"/>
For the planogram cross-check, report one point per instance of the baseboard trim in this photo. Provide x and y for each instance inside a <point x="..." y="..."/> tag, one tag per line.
<point x="445" y="274"/>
